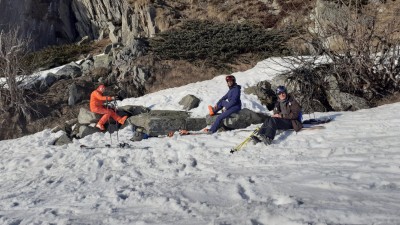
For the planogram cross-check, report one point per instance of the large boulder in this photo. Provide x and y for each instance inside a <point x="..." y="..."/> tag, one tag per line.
<point x="195" y="124"/>
<point x="160" y="122"/>
<point x="62" y="140"/>
<point x="43" y="84"/>
<point x="341" y="101"/>
<point x="87" y="117"/>
<point x="189" y="102"/>
<point x="242" y="119"/>
<point x="263" y="90"/>
<point x="102" y="61"/>
<point x="132" y="110"/>
<point x="78" y="91"/>
<point x="84" y="131"/>
<point x="69" y="71"/>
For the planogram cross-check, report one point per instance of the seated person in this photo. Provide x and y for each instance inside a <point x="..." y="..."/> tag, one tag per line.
<point x="97" y="106"/>
<point x="230" y="102"/>
<point x="287" y="112"/>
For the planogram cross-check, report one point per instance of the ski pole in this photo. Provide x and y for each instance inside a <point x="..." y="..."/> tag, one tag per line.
<point x="115" y="110"/>
<point x="243" y="143"/>
<point x="108" y="121"/>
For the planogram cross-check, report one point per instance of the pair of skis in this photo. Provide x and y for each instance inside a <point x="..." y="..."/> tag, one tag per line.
<point x="312" y="124"/>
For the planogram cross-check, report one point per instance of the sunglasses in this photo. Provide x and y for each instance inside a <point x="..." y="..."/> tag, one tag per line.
<point x="281" y="93"/>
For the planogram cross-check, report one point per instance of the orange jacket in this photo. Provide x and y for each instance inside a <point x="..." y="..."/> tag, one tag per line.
<point x="97" y="99"/>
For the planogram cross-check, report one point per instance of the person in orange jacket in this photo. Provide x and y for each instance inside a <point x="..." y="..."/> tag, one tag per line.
<point x="97" y="106"/>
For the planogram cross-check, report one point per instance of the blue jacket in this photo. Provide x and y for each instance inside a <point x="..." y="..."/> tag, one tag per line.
<point x="232" y="98"/>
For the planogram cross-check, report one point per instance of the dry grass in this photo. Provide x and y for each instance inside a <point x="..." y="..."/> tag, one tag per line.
<point x="169" y="74"/>
<point x="389" y="99"/>
<point x="176" y="73"/>
<point x="99" y="46"/>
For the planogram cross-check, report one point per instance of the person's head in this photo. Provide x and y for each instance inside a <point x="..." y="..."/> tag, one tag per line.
<point x="101" y="88"/>
<point x="281" y="92"/>
<point x="230" y="80"/>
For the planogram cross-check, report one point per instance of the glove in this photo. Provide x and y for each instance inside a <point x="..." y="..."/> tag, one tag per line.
<point x="109" y="105"/>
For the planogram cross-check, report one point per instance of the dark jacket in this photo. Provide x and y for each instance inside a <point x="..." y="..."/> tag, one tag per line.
<point x="232" y="98"/>
<point x="294" y="110"/>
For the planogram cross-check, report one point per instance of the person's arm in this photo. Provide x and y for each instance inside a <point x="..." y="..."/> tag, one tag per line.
<point x="295" y="110"/>
<point x="277" y="108"/>
<point x="223" y="98"/>
<point x="100" y="98"/>
<point x="233" y="100"/>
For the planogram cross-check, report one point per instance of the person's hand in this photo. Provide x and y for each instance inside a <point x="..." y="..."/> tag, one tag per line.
<point x="277" y="116"/>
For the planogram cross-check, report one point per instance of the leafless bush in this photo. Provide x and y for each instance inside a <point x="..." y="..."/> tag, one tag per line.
<point x="362" y="50"/>
<point x="12" y="94"/>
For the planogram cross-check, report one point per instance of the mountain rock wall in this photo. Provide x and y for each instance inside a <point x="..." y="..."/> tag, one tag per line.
<point x="47" y="22"/>
<point x="53" y="22"/>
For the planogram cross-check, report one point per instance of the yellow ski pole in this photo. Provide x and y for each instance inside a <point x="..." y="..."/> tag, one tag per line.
<point x="243" y="143"/>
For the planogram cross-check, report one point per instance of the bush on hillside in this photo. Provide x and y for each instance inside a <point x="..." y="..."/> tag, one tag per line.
<point x="54" y="56"/>
<point x="218" y="43"/>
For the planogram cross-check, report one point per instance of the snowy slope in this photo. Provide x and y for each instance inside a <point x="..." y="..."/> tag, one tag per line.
<point x="348" y="173"/>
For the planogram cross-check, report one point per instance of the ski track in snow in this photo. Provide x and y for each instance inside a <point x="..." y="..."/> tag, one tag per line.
<point x="347" y="173"/>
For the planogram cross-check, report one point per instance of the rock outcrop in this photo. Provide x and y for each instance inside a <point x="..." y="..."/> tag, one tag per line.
<point x="55" y="22"/>
<point x="46" y="22"/>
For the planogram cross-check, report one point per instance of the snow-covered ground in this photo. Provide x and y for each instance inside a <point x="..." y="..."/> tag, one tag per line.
<point x="347" y="173"/>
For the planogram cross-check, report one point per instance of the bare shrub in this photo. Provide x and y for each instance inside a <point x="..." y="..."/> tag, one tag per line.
<point x="13" y="95"/>
<point x="362" y="52"/>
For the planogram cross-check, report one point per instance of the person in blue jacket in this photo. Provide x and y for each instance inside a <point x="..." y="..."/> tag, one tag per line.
<point x="230" y="102"/>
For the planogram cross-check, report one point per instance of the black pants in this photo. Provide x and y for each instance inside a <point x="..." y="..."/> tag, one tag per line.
<point x="272" y="124"/>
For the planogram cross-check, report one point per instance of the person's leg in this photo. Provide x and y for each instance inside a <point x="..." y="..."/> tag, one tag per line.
<point x="103" y="119"/>
<point x="271" y="124"/>
<point x="219" y="119"/>
<point x="118" y="118"/>
<point x="115" y="116"/>
<point x="214" y="110"/>
<point x="111" y="113"/>
<point x="219" y="107"/>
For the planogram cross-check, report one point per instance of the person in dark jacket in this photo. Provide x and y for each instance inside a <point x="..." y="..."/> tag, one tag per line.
<point x="286" y="115"/>
<point x="230" y="102"/>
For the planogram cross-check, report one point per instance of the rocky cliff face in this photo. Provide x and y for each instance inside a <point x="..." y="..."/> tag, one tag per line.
<point x="52" y="22"/>
<point x="120" y="21"/>
<point x="47" y="22"/>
